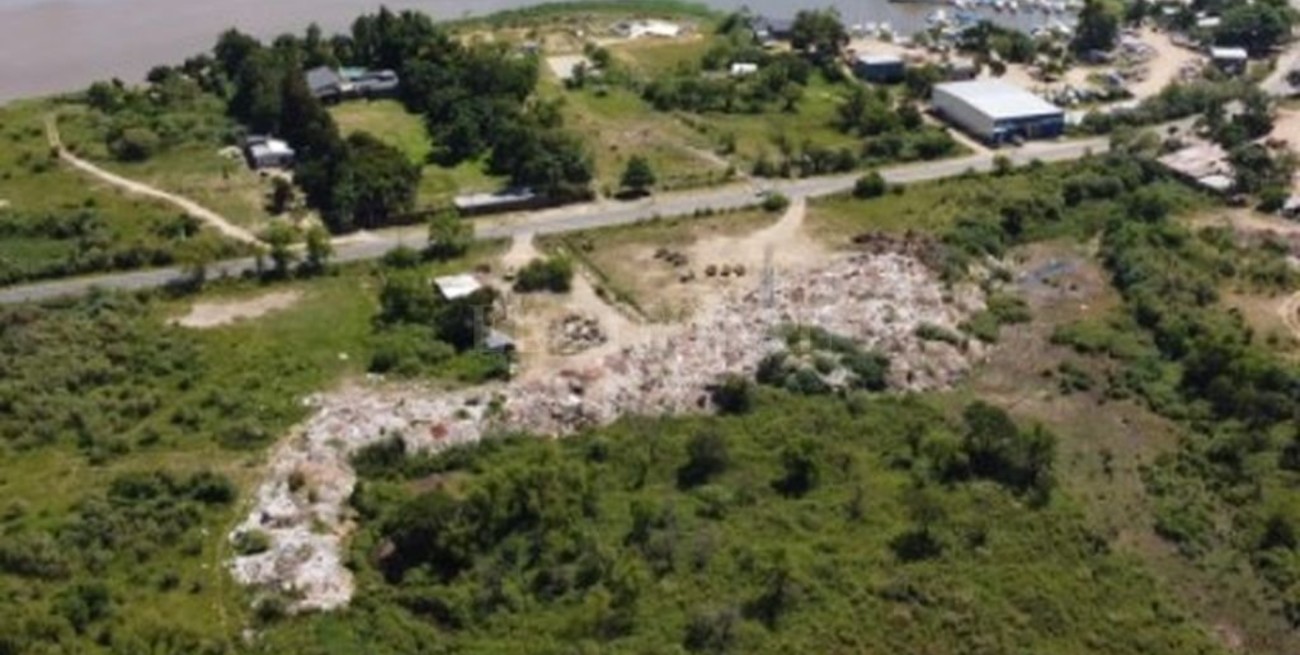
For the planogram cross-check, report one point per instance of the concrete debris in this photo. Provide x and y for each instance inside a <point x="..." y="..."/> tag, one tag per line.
<point x="575" y="333"/>
<point x="876" y="299"/>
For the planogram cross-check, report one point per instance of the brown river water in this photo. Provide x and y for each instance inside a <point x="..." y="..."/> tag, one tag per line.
<point x="50" y="46"/>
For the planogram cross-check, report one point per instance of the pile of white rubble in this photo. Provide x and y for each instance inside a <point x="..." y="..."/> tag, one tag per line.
<point x="877" y="299"/>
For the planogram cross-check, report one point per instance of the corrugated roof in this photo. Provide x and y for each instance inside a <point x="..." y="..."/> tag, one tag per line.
<point x="999" y="100"/>
<point x="457" y="286"/>
<point x="879" y="60"/>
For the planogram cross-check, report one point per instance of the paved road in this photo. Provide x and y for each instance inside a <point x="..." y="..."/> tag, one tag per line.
<point x="578" y="217"/>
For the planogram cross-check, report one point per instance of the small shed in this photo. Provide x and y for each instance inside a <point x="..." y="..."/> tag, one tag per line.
<point x="1232" y="61"/>
<point x="266" y="152"/>
<point x="742" y="69"/>
<point x="880" y="69"/>
<point x="452" y="287"/>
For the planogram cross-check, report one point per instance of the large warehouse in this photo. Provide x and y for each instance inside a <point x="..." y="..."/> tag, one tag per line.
<point x="997" y="112"/>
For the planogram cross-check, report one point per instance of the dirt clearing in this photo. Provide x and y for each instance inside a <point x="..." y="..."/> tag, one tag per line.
<point x="207" y="315"/>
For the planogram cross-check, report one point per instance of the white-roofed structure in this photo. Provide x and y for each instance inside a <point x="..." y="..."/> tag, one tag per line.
<point x="996" y="111"/>
<point x="266" y="152"/>
<point x="457" y="286"/>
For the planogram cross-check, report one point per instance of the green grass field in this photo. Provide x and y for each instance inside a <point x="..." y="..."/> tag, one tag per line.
<point x="203" y="167"/>
<point x="617" y="124"/>
<point x="388" y="121"/>
<point x="114" y="230"/>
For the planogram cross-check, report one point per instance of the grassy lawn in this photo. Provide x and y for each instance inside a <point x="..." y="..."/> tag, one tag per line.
<point x="32" y="181"/>
<point x="927" y="208"/>
<point x="196" y="168"/>
<point x="618" y="124"/>
<point x="655" y="57"/>
<point x="123" y="231"/>
<point x="389" y="121"/>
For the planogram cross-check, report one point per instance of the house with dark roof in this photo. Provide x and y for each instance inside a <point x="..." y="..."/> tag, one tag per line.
<point x="330" y="85"/>
<point x="770" y="30"/>
<point x="326" y="83"/>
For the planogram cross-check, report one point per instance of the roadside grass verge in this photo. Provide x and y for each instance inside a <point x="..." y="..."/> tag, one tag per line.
<point x="56" y="222"/>
<point x="203" y="166"/>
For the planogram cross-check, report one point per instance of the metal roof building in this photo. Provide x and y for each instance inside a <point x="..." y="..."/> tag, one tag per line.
<point x="997" y="112"/>
<point x="457" y="286"/>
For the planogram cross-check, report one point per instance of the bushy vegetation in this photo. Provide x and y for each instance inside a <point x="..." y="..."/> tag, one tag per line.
<point x="1199" y="363"/>
<point x="108" y="376"/>
<point x="420" y="333"/>
<point x="758" y="533"/>
<point x="554" y="274"/>
<point x="72" y="581"/>
<point x="891" y="130"/>
<point x="83" y="239"/>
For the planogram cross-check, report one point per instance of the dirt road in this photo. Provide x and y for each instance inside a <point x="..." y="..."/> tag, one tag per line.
<point x="191" y="208"/>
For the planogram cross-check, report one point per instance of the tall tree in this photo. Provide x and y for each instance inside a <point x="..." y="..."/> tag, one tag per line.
<point x="638" y="176"/>
<point x="819" y="33"/>
<point x="1259" y="27"/>
<point x="1098" y="27"/>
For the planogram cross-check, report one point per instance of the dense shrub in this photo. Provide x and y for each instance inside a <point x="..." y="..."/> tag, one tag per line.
<point x="554" y="274"/>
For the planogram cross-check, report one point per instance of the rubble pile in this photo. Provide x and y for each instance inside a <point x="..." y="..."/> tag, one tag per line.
<point x="575" y="333"/>
<point x="877" y="299"/>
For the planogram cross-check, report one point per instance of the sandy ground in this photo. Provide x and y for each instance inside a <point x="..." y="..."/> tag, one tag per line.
<point x="531" y="317"/>
<point x="1286" y="127"/>
<point x="205" y="315"/>
<point x="1164" y="67"/>
<point x="562" y="66"/>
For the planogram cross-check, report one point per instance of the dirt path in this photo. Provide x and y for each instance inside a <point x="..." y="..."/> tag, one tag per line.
<point x="784" y="245"/>
<point x="1289" y="310"/>
<point x="131" y="186"/>
<point x="205" y="315"/>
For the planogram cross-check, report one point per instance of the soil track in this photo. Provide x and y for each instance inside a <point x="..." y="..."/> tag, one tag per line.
<point x="191" y="208"/>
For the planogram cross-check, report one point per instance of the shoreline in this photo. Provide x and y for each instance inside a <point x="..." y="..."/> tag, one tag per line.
<point x="53" y="47"/>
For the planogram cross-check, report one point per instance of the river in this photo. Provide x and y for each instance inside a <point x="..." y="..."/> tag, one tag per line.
<point x="50" y="46"/>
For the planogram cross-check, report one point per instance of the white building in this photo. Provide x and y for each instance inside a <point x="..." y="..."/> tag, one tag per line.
<point x="457" y="286"/>
<point x="642" y="28"/>
<point x="266" y="152"/>
<point x="996" y="111"/>
<point x="741" y="69"/>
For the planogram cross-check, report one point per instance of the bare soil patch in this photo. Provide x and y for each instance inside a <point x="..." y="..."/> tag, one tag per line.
<point x="206" y="315"/>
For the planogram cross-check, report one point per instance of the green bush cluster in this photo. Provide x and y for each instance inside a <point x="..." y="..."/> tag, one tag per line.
<point x="69" y="582"/>
<point x="554" y="274"/>
<point x="755" y="533"/>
